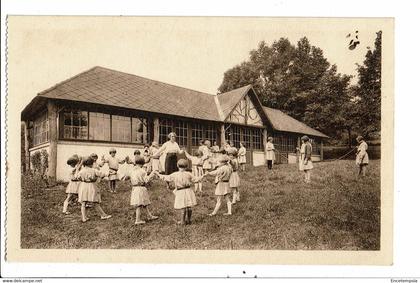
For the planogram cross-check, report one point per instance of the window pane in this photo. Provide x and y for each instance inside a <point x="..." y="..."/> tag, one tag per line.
<point x="99" y="126"/>
<point x="211" y="133"/>
<point x="197" y="133"/>
<point x="181" y="130"/>
<point x="165" y="127"/>
<point x="121" y="128"/>
<point x="140" y="130"/>
<point x="40" y="129"/>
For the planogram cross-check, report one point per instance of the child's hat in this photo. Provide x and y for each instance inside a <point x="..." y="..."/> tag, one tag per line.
<point x="270" y="138"/>
<point x="182" y="163"/>
<point x="359" y="138"/>
<point x="111" y="150"/>
<point x="88" y="161"/>
<point x="139" y="160"/>
<point x="305" y="138"/>
<point x="74" y="159"/>
<point x="94" y="156"/>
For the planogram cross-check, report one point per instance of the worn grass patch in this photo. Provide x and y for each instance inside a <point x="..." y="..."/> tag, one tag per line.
<point x="277" y="211"/>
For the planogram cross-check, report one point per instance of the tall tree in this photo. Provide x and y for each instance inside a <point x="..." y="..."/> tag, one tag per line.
<point x="369" y="89"/>
<point x="281" y="74"/>
<point x="327" y="103"/>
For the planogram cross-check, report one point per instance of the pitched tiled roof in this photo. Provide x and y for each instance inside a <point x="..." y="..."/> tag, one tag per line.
<point x="228" y="100"/>
<point x="109" y="87"/>
<point x="283" y="122"/>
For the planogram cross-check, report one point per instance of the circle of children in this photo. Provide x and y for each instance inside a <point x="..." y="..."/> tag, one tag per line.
<point x="222" y="163"/>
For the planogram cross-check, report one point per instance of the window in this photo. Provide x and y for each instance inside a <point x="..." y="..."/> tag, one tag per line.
<point x="165" y="127"/>
<point x="246" y="137"/>
<point x="291" y="141"/>
<point x="211" y="133"/>
<point x="236" y="136"/>
<point x="316" y="149"/>
<point x="196" y="133"/>
<point x="75" y="124"/>
<point x="40" y="129"/>
<point x="99" y="126"/>
<point x="139" y="130"/>
<point x="121" y="128"/>
<point x="256" y="139"/>
<point x="181" y="130"/>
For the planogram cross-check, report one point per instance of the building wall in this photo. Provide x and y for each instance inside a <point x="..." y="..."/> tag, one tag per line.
<point x="65" y="149"/>
<point x="258" y="158"/>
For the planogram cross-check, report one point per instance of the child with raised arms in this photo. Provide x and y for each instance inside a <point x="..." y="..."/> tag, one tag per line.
<point x="113" y="163"/>
<point x="184" y="195"/>
<point x="88" y="191"/>
<point x="139" y="195"/>
<point x="197" y="167"/>
<point x="234" y="179"/>
<point x="72" y="189"/>
<point x="222" y="174"/>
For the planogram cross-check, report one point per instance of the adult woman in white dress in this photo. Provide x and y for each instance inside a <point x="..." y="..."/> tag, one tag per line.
<point x="305" y="160"/>
<point x="170" y="149"/>
<point x="362" y="157"/>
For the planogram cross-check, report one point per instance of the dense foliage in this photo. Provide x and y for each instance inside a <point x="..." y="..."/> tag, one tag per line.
<point x="300" y="81"/>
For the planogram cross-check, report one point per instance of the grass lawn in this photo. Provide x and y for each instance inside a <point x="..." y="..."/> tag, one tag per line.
<point x="277" y="211"/>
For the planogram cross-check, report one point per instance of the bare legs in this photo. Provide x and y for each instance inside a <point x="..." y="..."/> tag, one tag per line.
<point x="362" y="170"/>
<point x="307" y="176"/>
<point x="235" y="195"/>
<point x="219" y="203"/>
<point x="98" y="208"/>
<point x="150" y="216"/>
<point x="67" y="201"/>
<point x="113" y="186"/>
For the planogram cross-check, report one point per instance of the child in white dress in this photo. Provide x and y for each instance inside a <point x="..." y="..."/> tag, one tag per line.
<point x="234" y="179"/>
<point x="72" y="189"/>
<point x="242" y="156"/>
<point x="362" y="157"/>
<point x="205" y="148"/>
<point x="88" y="191"/>
<point x="269" y="153"/>
<point x="113" y="163"/>
<point x="147" y="159"/>
<point x="222" y="174"/>
<point x="305" y="161"/>
<point x="155" y="159"/>
<point x="184" y="195"/>
<point x="139" y="194"/>
<point x="197" y="168"/>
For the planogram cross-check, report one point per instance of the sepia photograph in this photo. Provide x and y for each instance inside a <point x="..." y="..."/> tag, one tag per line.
<point x="203" y="133"/>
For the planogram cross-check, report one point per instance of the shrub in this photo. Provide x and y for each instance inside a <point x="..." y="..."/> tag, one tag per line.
<point x="36" y="161"/>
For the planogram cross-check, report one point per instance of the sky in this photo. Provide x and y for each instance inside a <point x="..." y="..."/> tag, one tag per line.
<point x="189" y="52"/>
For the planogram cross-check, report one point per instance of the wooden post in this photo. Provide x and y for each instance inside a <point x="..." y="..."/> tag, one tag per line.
<point x="298" y="151"/>
<point x="27" y="154"/>
<point x="222" y="135"/>
<point x="53" y="137"/>
<point x="265" y="136"/>
<point x="322" y="150"/>
<point x="156" y="129"/>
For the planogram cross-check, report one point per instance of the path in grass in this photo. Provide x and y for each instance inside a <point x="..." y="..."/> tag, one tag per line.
<point x="277" y="211"/>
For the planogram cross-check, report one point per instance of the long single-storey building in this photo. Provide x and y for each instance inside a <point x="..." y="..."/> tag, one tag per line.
<point x="102" y="108"/>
